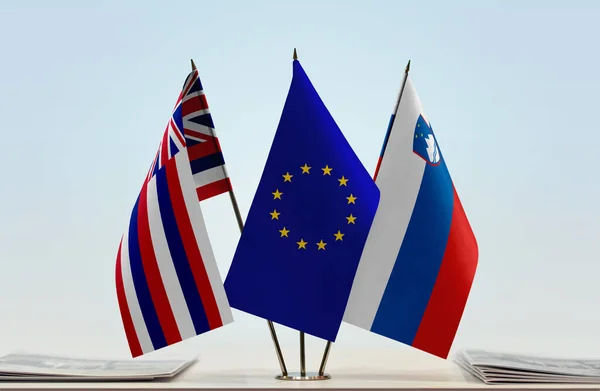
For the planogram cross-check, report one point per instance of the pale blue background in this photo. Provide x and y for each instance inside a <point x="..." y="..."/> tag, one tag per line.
<point x="511" y="88"/>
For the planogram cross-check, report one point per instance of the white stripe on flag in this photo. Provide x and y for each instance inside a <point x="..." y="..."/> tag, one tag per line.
<point x="193" y="95"/>
<point x="399" y="181"/>
<point x="166" y="267"/>
<point x="132" y="301"/>
<point x="195" y="212"/>
<point x="200" y="140"/>
<point x="196" y="114"/>
<point x="175" y="134"/>
<point x="209" y="176"/>
<point x="198" y="128"/>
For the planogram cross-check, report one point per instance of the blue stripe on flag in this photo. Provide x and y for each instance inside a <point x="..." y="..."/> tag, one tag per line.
<point x="178" y="118"/>
<point x="141" y="285"/>
<point x="414" y="274"/>
<point x="173" y="147"/>
<point x="207" y="162"/>
<point x="203" y="119"/>
<point x="155" y="168"/>
<point x="190" y="142"/>
<point x="196" y="87"/>
<point x="180" y="260"/>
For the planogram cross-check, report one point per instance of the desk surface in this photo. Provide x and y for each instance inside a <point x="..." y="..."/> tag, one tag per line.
<point x="361" y="369"/>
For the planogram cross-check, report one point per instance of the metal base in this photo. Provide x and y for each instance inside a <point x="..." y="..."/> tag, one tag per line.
<point x="308" y="376"/>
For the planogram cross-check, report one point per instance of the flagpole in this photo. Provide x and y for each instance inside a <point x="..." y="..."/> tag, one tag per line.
<point x="302" y="355"/>
<point x="392" y="119"/>
<point x="278" y="351"/>
<point x="302" y="342"/>
<point x="240" y="221"/>
<point x="324" y="359"/>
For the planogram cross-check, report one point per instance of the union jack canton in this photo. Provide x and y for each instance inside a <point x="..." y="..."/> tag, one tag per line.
<point x="191" y="126"/>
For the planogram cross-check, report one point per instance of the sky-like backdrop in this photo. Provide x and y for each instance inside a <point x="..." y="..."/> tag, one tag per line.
<point x="510" y="87"/>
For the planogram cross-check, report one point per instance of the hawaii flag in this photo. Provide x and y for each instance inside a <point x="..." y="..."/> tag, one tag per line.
<point x="168" y="284"/>
<point x="420" y="258"/>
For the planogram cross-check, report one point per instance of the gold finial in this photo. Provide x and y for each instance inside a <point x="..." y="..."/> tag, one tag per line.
<point x="407" y="67"/>
<point x="295" y="54"/>
<point x="193" y="65"/>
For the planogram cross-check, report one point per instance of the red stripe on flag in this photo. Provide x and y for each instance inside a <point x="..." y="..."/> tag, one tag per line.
<point x="164" y="148"/>
<point x="193" y="133"/>
<point x="177" y="133"/>
<point x="152" y="273"/>
<point x="132" y="339"/>
<point x="178" y="100"/>
<point x="449" y="296"/>
<point x="197" y="103"/>
<point x="213" y="189"/>
<point x="204" y="149"/>
<point x="191" y="249"/>
<point x="186" y="86"/>
<point x="189" y="82"/>
<point x="150" y="172"/>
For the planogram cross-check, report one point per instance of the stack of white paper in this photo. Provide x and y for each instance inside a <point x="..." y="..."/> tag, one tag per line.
<point x="498" y="368"/>
<point x="34" y="367"/>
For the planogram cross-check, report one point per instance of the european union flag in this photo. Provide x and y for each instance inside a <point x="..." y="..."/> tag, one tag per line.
<point x="308" y="223"/>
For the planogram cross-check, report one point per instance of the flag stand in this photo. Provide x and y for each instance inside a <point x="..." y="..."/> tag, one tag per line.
<point x="303" y="375"/>
<point x="240" y="221"/>
<point x="285" y="375"/>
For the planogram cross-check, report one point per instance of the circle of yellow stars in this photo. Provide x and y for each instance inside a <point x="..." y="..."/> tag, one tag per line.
<point x="321" y="245"/>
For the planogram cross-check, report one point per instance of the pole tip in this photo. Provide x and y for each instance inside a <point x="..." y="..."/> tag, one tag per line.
<point x="193" y="65"/>
<point x="295" y="54"/>
<point x="407" y="67"/>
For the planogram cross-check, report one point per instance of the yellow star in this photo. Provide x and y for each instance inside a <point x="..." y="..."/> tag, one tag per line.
<point x="343" y="181"/>
<point x="277" y="194"/>
<point x="351" y="199"/>
<point x="284" y="232"/>
<point x="321" y="245"/>
<point x="287" y="177"/>
<point x="350" y="219"/>
<point x="327" y="170"/>
<point x="274" y="214"/>
<point x="338" y="236"/>
<point x="416" y="136"/>
<point x="301" y="244"/>
<point x="305" y="168"/>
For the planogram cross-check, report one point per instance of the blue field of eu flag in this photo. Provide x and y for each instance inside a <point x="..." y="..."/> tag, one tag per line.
<point x="308" y="223"/>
